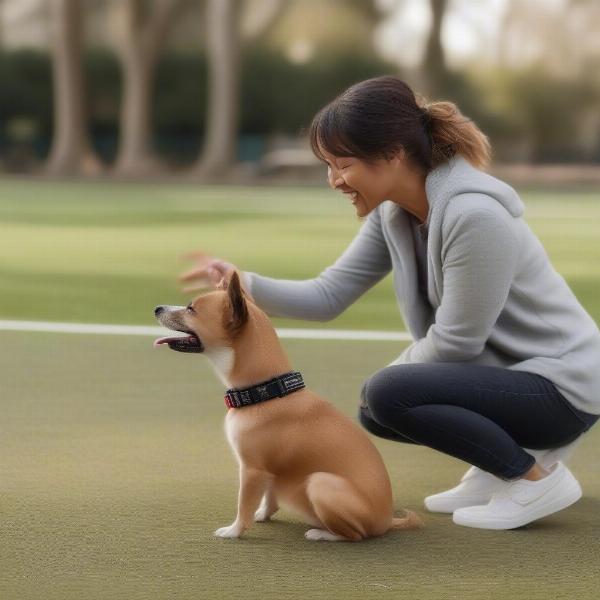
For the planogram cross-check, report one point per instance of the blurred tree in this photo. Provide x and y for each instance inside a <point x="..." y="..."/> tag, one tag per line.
<point x="367" y="9"/>
<point x="562" y="35"/>
<point x="312" y="29"/>
<point x="223" y="82"/>
<point x="258" y="17"/>
<point x="71" y="152"/>
<point x="144" y="27"/>
<point x="225" y="38"/>
<point x="435" y="72"/>
<point x="553" y="83"/>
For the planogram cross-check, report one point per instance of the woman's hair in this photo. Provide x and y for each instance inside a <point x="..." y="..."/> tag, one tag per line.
<point x="378" y="117"/>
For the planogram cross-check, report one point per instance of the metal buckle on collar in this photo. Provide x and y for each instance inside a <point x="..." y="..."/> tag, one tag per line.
<point x="275" y="388"/>
<point x="282" y="387"/>
<point x="236" y="399"/>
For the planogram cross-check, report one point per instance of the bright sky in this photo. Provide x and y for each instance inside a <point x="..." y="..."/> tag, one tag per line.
<point x="467" y="31"/>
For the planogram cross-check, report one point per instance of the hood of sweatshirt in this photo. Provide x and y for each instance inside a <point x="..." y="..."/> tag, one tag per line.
<point x="457" y="176"/>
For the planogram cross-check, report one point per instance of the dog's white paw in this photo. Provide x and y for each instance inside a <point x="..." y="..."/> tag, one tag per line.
<point x="233" y="531"/>
<point x="322" y="534"/>
<point x="262" y="515"/>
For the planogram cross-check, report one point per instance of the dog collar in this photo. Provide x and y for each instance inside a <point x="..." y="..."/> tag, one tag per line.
<point x="274" y="388"/>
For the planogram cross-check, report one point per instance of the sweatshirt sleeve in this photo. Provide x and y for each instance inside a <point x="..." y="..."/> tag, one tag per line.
<point x="479" y="257"/>
<point x="365" y="262"/>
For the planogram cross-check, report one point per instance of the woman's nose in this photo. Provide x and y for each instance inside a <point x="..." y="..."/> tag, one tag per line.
<point x="334" y="179"/>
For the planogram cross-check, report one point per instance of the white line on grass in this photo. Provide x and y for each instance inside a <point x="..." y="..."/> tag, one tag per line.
<point x="297" y="334"/>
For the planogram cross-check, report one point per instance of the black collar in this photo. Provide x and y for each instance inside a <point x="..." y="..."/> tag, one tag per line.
<point x="274" y="388"/>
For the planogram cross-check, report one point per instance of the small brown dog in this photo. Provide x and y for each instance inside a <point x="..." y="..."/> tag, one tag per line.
<point x="297" y="451"/>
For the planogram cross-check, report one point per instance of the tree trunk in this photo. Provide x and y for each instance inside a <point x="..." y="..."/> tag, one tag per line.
<point x="135" y="155"/>
<point x="223" y="36"/>
<point x="255" y="23"/>
<point x="434" y="64"/>
<point x="142" y="42"/>
<point x="71" y="152"/>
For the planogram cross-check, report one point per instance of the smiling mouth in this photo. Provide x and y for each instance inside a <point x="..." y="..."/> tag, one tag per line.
<point x="353" y="196"/>
<point x="185" y="343"/>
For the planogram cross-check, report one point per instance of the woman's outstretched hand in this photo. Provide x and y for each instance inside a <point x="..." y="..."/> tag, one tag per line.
<point x="208" y="272"/>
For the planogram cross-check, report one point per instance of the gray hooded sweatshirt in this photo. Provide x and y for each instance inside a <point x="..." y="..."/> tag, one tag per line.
<point x="493" y="298"/>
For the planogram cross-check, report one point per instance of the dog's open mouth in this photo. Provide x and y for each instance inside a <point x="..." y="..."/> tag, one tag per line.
<point x="187" y="343"/>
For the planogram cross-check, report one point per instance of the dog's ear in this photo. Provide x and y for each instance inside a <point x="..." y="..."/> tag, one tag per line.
<point x="237" y="315"/>
<point x="224" y="284"/>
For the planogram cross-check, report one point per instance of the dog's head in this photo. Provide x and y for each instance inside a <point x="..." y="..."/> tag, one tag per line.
<point x="212" y="320"/>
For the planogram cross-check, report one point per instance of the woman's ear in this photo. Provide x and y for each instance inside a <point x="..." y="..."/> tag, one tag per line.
<point x="237" y="315"/>
<point x="398" y="156"/>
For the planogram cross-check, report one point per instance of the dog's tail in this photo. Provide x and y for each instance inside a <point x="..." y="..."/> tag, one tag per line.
<point x="411" y="521"/>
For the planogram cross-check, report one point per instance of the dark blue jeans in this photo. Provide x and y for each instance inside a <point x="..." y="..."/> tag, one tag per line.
<point x="480" y="414"/>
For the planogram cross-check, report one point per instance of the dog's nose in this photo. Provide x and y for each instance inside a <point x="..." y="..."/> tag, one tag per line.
<point x="158" y="310"/>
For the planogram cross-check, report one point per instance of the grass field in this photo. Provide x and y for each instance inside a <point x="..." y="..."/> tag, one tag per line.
<point x="108" y="253"/>
<point x="114" y="469"/>
<point x="115" y="472"/>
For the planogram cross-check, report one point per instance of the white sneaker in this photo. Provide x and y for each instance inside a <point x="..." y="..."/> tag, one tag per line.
<point x="476" y="487"/>
<point x="523" y="501"/>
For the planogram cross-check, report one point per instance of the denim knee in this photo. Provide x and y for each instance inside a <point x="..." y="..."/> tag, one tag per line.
<point x="377" y="396"/>
<point x="365" y="418"/>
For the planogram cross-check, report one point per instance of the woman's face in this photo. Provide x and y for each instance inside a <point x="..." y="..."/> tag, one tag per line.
<point x="366" y="185"/>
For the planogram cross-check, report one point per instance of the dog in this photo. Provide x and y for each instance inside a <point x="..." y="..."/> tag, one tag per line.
<point x="294" y="449"/>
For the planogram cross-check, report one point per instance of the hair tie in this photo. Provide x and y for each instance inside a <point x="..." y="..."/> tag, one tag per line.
<point x="426" y="118"/>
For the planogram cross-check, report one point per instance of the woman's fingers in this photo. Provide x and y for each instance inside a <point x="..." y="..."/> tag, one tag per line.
<point x="204" y="270"/>
<point x="195" y="273"/>
<point x="198" y="287"/>
<point x="215" y="275"/>
<point x="219" y="268"/>
<point x="207" y="272"/>
<point x="197" y="255"/>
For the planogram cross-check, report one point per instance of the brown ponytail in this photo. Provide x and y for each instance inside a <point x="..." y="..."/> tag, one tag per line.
<point x="452" y="133"/>
<point x="379" y="117"/>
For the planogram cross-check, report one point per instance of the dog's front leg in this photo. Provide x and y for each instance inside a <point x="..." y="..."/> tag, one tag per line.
<point x="268" y="506"/>
<point x="253" y="484"/>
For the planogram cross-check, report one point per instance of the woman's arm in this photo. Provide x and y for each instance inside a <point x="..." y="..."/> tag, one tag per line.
<point x="479" y="257"/>
<point x="365" y="262"/>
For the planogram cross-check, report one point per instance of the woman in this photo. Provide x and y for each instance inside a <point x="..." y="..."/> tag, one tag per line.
<point x="505" y="360"/>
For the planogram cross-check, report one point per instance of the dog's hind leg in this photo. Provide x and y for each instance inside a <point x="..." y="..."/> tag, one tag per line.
<point x="268" y="506"/>
<point x="323" y="534"/>
<point x="340" y="508"/>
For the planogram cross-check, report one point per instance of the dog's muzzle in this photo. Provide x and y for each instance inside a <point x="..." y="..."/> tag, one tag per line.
<point x="188" y="343"/>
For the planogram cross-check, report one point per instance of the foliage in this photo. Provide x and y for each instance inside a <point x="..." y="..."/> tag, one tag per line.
<point x="530" y="114"/>
<point x="553" y="113"/>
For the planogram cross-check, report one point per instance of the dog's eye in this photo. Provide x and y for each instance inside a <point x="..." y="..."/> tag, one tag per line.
<point x="190" y="308"/>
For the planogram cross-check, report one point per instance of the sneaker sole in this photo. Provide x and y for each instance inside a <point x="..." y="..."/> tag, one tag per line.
<point x="555" y="506"/>
<point x="448" y="506"/>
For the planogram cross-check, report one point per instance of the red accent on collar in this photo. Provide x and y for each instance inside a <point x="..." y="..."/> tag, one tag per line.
<point x="274" y="388"/>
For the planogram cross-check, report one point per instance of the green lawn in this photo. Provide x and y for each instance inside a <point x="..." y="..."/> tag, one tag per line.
<point x="115" y="471"/>
<point x="108" y="253"/>
<point x="114" y="468"/>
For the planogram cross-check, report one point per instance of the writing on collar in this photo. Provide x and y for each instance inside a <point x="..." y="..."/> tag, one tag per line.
<point x="274" y="388"/>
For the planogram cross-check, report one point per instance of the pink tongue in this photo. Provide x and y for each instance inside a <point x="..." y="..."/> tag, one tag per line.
<point x="166" y="340"/>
